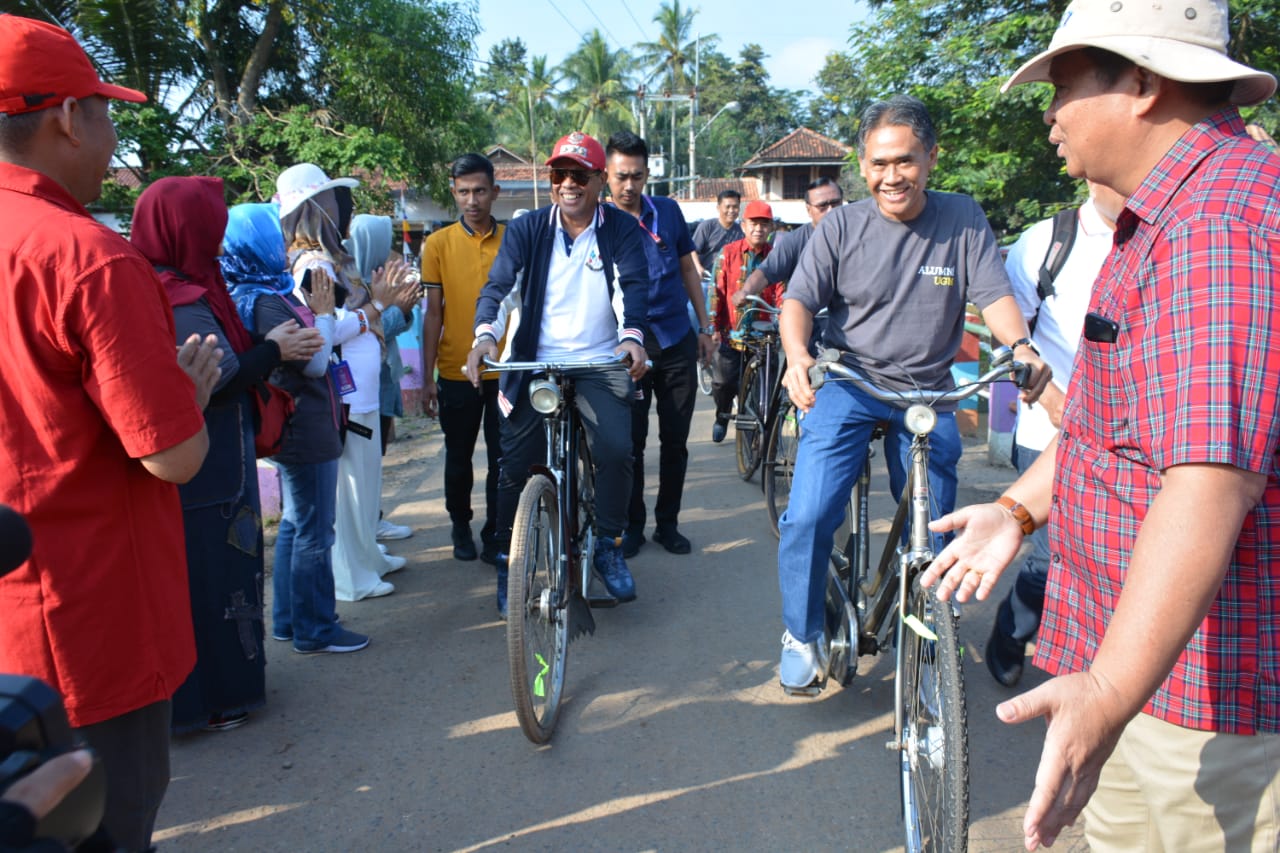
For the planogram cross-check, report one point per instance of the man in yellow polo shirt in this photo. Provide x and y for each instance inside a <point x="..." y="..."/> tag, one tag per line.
<point x="455" y="267"/>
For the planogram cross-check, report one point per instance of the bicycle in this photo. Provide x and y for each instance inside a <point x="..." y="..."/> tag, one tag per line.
<point x="550" y="584"/>
<point x="779" y="461"/>
<point x="761" y="383"/>
<point x="869" y="613"/>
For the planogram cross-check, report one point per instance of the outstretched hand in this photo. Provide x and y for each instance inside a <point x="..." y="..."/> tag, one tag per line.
<point x="971" y="563"/>
<point x="1085" y="723"/>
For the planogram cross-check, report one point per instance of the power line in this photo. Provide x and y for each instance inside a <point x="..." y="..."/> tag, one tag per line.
<point x="602" y="24"/>
<point x="565" y="18"/>
<point x="636" y="21"/>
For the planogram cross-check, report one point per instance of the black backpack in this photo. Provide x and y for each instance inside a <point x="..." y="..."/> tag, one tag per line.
<point x="1064" y="234"/>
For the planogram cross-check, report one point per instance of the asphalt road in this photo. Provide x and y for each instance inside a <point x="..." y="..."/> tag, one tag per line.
<point x="674" y="733"/>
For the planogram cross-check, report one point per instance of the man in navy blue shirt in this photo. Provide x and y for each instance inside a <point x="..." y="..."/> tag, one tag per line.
<point x="671" y="345"/>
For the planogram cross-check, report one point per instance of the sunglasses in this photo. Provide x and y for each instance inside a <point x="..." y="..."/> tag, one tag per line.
<point x="578" y="176"/>
<point x="827" y="205"/>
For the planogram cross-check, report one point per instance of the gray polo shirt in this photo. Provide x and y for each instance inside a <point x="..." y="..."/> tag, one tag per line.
<point x="896" y="291"/>
<point x="787" y="246"/>
<point x="710" y="237"/>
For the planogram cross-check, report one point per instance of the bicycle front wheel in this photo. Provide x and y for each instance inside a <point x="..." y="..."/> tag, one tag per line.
<point x="934" y="748"/>
<point x="747" y="426"/>
<point x="537" y="618"/>
<point x="780" y="461"/>
<point x="705" y="378"/>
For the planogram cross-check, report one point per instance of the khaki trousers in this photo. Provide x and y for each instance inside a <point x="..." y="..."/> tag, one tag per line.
<point x="1168" y="788"/>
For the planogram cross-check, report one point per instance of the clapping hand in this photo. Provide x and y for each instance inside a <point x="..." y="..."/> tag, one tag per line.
<point x="199" y="358"/>
<point x="296" y="343"/>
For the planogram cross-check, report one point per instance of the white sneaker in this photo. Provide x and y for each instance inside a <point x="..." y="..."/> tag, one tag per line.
<point x="383" y="588"/>
<point x="382" y="549"/>
<point x="801" y="664"/>
<point x="387" y="530"/>
<point x="393" y="564"/>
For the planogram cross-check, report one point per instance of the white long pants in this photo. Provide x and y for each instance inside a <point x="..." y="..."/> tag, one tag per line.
<point x="357" y="563"/>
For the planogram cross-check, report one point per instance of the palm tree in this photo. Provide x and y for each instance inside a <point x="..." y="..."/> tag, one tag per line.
<point x="675" y="48"/>
<point x="539" y="107"/>
<point x="599" y="86"/>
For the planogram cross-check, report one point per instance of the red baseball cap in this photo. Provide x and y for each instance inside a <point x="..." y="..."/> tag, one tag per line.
<point x="758" y="210"/>
<point x="40" y="64"/>
<point x="580" y="148"/>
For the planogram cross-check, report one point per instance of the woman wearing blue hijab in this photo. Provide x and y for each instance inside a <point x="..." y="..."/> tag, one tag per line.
<point x="256" y="268"/>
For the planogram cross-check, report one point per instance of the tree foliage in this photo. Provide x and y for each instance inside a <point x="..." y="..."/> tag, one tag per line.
<point x="244" y="88"/>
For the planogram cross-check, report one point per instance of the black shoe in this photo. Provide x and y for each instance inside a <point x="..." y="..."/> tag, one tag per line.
<point x="720" y="430"/>
<point x="464" y="547"/>
<point x="1005" y="657"/>
<point x="671" y="539"/>
<point x="631" y="542"/>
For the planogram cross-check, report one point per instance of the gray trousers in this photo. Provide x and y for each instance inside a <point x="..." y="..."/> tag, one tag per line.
<point x="135" y="754"/>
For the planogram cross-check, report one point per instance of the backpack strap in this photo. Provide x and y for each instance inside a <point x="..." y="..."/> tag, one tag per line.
<point x="1064" y="234"/>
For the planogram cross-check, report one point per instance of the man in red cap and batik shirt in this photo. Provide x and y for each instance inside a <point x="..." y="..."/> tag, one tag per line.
<point x="574" y="279"/>
<point x="737" y="261"/>
<point x="98" y="421"/>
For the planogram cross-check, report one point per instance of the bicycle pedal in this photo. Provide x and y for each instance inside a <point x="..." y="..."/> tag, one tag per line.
<point x="809" y="692"/>
<point x="596" y="595"/>
<point x="746" y="423"/>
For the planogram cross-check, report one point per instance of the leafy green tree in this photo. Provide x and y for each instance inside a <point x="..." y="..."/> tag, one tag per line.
<point x="599" y="94"/>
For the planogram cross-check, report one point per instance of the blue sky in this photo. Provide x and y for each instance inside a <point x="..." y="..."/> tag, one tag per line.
<point x="796" y="37"/>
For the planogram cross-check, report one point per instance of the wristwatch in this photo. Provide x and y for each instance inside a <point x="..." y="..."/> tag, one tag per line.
<point x="1020" y="514"/>
<point x="483" y="339"/>
<point x="1025" y="342"/>
<point x="708" y="330"/>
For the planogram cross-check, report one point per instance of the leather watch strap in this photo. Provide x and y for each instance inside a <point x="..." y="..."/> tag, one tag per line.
<point x="1019" y="513"/>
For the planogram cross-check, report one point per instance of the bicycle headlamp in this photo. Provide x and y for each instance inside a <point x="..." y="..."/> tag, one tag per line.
<point x="920" y="420"/>
<point x="544" y="394"/>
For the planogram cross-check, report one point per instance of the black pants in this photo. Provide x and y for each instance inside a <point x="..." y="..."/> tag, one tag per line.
<point x="673" y="379"/>
<point x="726" y="370"/>
<point x="603" y="400"/>
<point x="463" y="410"/>
<point x="135" y="755"/>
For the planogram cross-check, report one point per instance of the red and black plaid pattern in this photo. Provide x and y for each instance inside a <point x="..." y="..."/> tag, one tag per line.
<point x="1193" y="284"/>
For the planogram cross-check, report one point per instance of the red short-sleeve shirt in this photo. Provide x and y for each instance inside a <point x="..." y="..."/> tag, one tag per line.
<point x="89" y="383"/>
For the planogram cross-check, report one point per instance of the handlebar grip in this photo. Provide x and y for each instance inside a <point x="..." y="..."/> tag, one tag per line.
<point x="1021" y="374"/>
<point x="817" y="376"/>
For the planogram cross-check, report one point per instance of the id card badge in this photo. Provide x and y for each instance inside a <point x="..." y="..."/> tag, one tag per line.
<point x="342" y="378"/>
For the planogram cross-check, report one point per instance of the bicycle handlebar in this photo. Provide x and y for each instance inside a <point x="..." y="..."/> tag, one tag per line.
<point x="1002" y="365"/>
<point x="615" y="360"/>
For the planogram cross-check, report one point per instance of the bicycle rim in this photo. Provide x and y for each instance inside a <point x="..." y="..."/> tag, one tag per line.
<point x="537" y="620"/>
<point x="934" y="756"/>
<point x="704" y="379"/>
<point x="780" y="461"/>
<point x="748" y="440"/>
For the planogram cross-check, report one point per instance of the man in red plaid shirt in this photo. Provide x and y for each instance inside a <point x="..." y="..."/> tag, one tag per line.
<point x="1163" y="500"/>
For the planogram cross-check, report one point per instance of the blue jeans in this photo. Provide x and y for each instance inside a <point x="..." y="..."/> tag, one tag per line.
<point x="1018" y="617"/>
<point x="302" y="576"/>
<point x="833" y="446"/>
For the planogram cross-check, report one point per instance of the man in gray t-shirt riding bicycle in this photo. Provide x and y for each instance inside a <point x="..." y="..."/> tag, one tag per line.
<point x="895" y="272"/>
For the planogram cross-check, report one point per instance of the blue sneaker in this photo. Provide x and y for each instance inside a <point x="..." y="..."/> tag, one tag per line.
<point x="611" y="567"/>
<point x="501" y="563"/>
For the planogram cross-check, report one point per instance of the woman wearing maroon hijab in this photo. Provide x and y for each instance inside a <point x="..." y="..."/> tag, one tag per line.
<point x="178" y="225"/>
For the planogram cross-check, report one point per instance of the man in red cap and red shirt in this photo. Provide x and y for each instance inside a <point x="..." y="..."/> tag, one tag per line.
<point x="582" y="293"/>
<point x="737" y="261"/>
<point x="98" y="421"/>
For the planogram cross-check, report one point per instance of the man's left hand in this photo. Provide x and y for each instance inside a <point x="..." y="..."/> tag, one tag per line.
<point x="1039" y="375"/>
<point x="1085" y="723"/>
<point x="706" y="347"/>
<point x="638" y="365"/>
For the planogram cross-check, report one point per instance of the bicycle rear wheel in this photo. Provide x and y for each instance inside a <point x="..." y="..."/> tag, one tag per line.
<point x="780" y="461"/>
<point x="747" y="426"/>
<point x="537" y="618"/>
<point x="934" y="749"/>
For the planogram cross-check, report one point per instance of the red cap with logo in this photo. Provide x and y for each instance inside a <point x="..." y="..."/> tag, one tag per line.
<point x="580" y="148"/>
<point x="41" y="64"/>
<point x="758" y="210"/>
